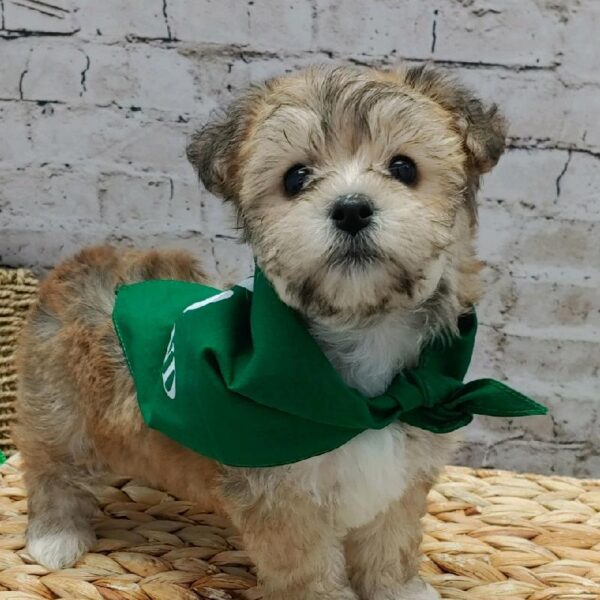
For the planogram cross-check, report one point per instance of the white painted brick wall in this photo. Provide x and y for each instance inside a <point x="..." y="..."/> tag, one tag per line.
<point x="97" y="98"/>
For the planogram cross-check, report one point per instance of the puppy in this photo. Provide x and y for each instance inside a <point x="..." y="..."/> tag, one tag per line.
<point x="356" y="191"/>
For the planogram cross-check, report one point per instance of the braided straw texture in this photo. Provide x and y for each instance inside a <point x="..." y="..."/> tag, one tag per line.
<point x="17" y="293"/>
<point x="489" y="534"/>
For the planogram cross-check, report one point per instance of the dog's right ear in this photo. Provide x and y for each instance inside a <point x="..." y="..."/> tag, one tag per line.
<point x="483" y="127"/>
<point x="214" y="149"/>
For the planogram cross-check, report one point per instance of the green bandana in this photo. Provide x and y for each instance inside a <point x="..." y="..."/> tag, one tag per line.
<point x="237" y="377"/>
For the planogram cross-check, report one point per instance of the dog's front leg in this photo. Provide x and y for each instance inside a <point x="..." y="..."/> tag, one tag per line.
<point x="292" y="541"/>
<point x="383" y="556"/>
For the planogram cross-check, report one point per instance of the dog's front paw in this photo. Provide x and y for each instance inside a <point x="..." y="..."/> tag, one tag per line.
<point x="60" y="549"/>
<point x="414" y="589"/>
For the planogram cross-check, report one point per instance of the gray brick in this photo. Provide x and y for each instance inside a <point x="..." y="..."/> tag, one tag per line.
<point x="49" y="195"/>
<point x="28" y="246"/>
<point x="573" y="306"/>
<point x="54" y="72"/>
<point x="525" y="180"/>
<point x="115" y="19"/>
<point x="139" y="76"/>
<point x="15" y="58"/>
<point x="556" y="183"/>
<point x="542" y="457"/>
<point x="533" y="457"/>
<point x="516" y="32"/>
<point x="16" y="146"/>
<point x="285" y="25"/>
<point x="140" y="201"/>
<point x="109" y="136"/>
<point x="538" y="105"/>
<point x="579" y="64"/>
<point x="218" y="217"/>
<point x="550" y="359"/>
<point x="233" y="260"/>
<point x="498" y="233"/>
<point x="447" y="31"/>
<point x="577" y="188"/>
<point x="272" y="26"/>
<point x="53" y="17"/>
<point x="556" y="243"/>
<point x="374" y="28"/>
<point x="210" y="21"/>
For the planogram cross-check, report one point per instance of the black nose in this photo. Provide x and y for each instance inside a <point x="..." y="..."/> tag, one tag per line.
<point x="352" y="212"/>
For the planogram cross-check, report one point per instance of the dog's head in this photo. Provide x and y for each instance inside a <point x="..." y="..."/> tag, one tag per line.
<point x="355" y="188"/>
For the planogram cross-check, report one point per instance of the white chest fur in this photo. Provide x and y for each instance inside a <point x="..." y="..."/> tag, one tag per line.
<point x="361" y="478"/>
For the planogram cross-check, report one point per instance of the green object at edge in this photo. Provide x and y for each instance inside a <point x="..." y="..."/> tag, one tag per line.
<point x="240" y="379"/>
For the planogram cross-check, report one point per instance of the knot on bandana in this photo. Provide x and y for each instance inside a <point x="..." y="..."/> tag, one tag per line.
<point x="237" y="377"/>
<point x="464" y="400"/>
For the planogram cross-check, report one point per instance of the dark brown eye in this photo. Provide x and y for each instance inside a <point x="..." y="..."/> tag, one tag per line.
<point x="403" y="169"/>
<point x="295" y="179"/>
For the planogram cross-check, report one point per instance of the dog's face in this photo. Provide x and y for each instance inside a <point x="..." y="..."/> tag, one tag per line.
<point x="355" y="187"/>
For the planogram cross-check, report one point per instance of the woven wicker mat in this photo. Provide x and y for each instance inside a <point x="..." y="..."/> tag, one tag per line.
<point x="17" y="293"/>
<point x="489" y="534"/>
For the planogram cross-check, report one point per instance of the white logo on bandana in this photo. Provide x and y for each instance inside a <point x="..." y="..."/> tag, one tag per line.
<point x="168" y="372"/>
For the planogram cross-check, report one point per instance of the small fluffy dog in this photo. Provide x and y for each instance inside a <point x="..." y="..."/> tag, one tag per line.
<point x="356" y="191"/>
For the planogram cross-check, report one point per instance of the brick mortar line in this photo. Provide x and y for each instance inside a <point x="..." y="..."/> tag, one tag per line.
<point x="90" y="167"/>
<point x="229" y="50"/>
<point x="545" y="145"/>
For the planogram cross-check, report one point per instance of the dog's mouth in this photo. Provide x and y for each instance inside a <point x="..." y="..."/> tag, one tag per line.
<point x="354" y="252"/>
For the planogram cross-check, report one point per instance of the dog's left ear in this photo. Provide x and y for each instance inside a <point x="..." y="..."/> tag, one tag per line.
<point x="485" y="132"/>
<point x="214" y="149"/>
<point x="483" y="127"/>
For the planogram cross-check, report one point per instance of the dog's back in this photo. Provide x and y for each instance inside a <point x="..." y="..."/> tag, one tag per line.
<point x="82" y="288"/>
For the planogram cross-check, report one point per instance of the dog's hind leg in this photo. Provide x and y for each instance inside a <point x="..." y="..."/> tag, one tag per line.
<point x="60" y="511"/>
<point x="58" y="461"/>
<point x="57" y="479"/>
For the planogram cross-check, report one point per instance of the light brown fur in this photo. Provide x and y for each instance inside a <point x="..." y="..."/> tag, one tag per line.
<point x="303" y="524"/>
